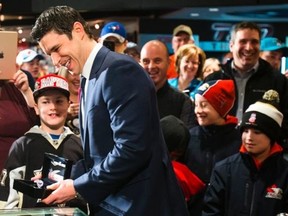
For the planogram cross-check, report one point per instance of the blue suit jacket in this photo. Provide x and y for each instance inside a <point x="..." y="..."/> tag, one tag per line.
<point x="128" y="167"/>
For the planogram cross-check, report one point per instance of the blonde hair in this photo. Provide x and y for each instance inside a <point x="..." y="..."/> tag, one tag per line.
<point x="209" y="62"/>
<point x="190" y="50"/>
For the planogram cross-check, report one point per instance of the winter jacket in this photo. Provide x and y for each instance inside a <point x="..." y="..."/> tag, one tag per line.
<point x="211" y="144"/>
<point x="239" y="186"/>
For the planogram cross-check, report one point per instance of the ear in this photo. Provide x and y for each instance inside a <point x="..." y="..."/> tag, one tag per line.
<point x="231" y="44"/>
<point x="36" y="108"/>
<point x="78" y="30"/>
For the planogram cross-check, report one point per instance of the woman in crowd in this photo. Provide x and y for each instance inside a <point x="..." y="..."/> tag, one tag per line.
<point x="74" y="85"/>
<point x="189" y="63"/>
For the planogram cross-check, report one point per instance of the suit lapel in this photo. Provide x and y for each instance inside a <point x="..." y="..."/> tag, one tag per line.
<point x="98" y="66"/>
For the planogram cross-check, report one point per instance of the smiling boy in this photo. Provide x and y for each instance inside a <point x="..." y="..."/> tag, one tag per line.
<point x="26" y="155"/>
<point x="253" y="181"/>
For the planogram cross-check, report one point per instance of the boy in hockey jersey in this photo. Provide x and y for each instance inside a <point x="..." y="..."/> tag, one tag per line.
<point x="26" y="155"/>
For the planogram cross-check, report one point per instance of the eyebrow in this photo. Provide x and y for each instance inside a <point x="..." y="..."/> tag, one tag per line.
<point x="53" y="49"/>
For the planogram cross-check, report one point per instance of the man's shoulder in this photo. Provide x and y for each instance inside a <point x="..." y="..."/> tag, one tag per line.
<point x="217" y="75"/>
<point x="177" y="94"/>
<point x="229" y="161"/>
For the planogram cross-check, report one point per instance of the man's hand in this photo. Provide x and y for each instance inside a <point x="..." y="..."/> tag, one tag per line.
<point x="73" y="109"/>
<point x="62" y="192"/>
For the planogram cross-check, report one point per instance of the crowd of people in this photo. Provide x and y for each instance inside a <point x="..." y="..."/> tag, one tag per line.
<point x="148" y="133"/>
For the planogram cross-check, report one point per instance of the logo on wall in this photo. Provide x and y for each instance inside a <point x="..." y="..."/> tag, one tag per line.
<point x="222" y="31"/>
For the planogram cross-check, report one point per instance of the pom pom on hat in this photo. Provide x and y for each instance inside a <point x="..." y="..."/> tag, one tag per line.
<point x="220" y="94"/>
<point x="264" y="116"/>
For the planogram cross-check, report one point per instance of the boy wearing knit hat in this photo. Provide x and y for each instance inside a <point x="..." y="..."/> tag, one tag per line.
<point x="217" y="136"/>
<point x="26" y="155"/>
<point x="253" y="181"/>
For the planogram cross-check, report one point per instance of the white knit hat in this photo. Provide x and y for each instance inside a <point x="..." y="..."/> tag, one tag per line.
<point x="264" y="116"/>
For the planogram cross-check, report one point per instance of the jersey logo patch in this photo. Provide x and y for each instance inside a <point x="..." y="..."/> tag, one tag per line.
<point x="274" y="192"/>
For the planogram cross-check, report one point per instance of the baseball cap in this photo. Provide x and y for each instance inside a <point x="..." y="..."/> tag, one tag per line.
<point x="114" y="29"/>
<point x="27" y="55"/>
<point x="272" y="44"/>
<point x="183" y="28"/>
<point x="48" y="82"/>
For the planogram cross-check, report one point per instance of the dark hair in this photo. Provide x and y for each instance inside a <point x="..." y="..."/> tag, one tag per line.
<point x="59" y="19"/>
<point x="244" y="25"/>
<point x="41" y="93"/>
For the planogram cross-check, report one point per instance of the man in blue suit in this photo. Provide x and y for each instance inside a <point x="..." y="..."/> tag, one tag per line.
<point x="127" y="168"/>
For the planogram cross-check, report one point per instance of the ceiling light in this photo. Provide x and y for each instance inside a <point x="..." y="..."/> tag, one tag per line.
<point x="213" y="9"/>
<point x="97" y="26"/>
<point x="194" y="14"/>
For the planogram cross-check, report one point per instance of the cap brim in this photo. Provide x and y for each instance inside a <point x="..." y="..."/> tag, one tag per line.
<point x="119" y="37"/>
<point x="38" y="93"/>
<point x="40" y="57"/>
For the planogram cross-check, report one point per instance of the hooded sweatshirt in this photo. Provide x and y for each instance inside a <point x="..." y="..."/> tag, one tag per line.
<point x="26" y="157"/>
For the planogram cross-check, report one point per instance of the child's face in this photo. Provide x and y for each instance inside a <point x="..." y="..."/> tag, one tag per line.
<point x="256" y="143"/>
<point x="205" y="112"/>
<point x="52" y="109"/>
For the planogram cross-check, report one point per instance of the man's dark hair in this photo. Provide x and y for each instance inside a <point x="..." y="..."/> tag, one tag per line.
<point x="59" y="19"/>
<point x="244" y="25"/>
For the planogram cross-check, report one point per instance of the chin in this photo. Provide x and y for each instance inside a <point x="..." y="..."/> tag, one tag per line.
<point x="201" y="123"/>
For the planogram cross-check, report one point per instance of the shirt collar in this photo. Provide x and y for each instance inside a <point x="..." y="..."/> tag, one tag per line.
<point x="89" y="62"/>
<point x="252" y="70"/>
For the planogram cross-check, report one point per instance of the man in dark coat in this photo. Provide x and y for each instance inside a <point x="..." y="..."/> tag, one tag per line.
<point x="252" y="75"/>
<point x="127" y="170"/>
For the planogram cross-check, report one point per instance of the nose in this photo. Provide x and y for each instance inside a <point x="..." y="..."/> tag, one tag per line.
<point x="190" y="64"/>
<point x="52" y="106"/>
<point x="249" y="45"/>
<point x="151" y="64"/>
<point x="197" y="109"/>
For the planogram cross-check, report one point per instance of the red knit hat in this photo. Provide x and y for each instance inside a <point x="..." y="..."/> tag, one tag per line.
<point x="220" y="94"/>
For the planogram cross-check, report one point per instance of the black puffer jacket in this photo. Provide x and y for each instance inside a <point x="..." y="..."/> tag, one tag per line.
<point x="211" y="144"/>
<point x="207" y="146"/>
<point x="237" y="187"/>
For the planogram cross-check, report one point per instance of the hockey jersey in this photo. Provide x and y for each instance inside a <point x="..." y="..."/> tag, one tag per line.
<point x="26" y="158"/>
